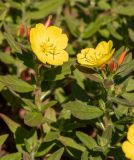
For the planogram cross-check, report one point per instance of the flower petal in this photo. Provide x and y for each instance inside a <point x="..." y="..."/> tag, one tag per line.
<point x="37" y="36"/>
<point x="130" y="134"/>
<point x="53" y="32"/>
<point x="128" y="149"/>
<point x="57" y="59"/>
<point x="61" y="41"/>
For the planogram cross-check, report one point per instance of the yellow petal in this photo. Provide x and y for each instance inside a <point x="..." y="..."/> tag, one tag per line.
<point x="38" y="34"/>
<point x="37" y="37"/>
<point x="53" y="32"/>
<point x="130" y="134"/>
<point x="41" y="56"/>
<point x="61" y="41"/>
<point x="57" y="59"/>
<point x="128" y="149"/>
<point x="87" y="57"/>
<point x="105" y="58"/>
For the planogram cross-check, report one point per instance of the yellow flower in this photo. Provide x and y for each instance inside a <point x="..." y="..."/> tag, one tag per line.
<point x="128" y="146"/>
<point x="91" y="57"/>
<point x="48" y="44"/>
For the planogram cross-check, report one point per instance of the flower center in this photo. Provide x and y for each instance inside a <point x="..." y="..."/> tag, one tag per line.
<point x="48" y="47"/>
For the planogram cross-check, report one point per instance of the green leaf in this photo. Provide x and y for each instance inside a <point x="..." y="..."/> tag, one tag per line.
<point x="80" y="78"/>
<point x="93" y="27"/>
<point x="13" y="126"/>
<point x="128" y="96"/>
<point x="88" y="141"/>
<point x="120" y="110"/>
<point x="69" y="142"/>
<point x="124" y="10"/>
<point x="130" y="85"/>
<point x="131" y="34"/>
<point x="106" y="136"/>
<point x="84" y="155"/>
<point x="50" y="114"/>
<point x="16" y="84"/>
<point x="121" y="101"/>
<point x="72" y="25"/>
<point x="3" y="139"/>
<point x="6" y="58"/>
<point x="43" y="9"/>
<point x="33" y="119"/>
<point x="113" y="32"/>
<point x="126" y="69"/>
<point x="82" y="111"/>
<point x="58" y="73"/>
<point x="56" y="155"/>
<point x="104" y="5"/>
<point x="13" y="156"/>
<point x="1" y="86"/>
<point x="44" y="148"/>
<point x="50" y="136"/>
<point x="48" y="105"/>
<point x="12" y="43"/>
<point x="104" y="32"/>
<point x="29" y="104"/>
<point x="14" y="4"/>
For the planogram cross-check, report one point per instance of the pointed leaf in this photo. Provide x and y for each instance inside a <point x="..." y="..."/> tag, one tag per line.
<point x="13" y="156"/>
<point x="13" y="126"/>
<point x="3" y="139"/>
<point x="82" y="111"/>
<point x="88" y="141"/>
<point x="16" y="84"/>
<point x="33" y="119"/>
<point x="71" y="143"/>
<point x="56" y="155"/>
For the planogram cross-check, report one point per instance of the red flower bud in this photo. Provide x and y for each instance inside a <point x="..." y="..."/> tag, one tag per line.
<point x="28" y="33"/>
<point x="48" y="21"/>
<point x="112" y="65"/>
<point x="102" y="66"/>
<point x="121" y="58"/>
<point x="22" y="30"/>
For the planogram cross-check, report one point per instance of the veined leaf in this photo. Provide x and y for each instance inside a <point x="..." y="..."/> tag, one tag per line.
<point x="16" y="84"/>
<point x="44" y="8"/>
<point x="13" y="126"/>
<point x="69" y="142"/>
<point x="33" y="118"/>
<point x="88" y="141"/>
<point x="3" y="139"/>
<point x="82" y="111"/>
<point x="13" y="156"/>
<point x="56" y="155"/>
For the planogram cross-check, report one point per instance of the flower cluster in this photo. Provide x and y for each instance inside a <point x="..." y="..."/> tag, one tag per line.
<point x="91" y="57"/>
<point x="128" y="145"/>
<point x="49" y="43"/>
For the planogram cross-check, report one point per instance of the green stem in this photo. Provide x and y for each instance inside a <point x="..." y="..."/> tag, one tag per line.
<point x="38" y="86"/>
<point x="32" y="156"/>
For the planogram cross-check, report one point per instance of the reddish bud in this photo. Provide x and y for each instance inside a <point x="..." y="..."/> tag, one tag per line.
<point x="22" y="113"/>
<point x="22" y="30"/>
<point x="28" y="33"/>
<point x="121" y="58"/>
<point x="102" y="66"/>
<point x="7" y="49"/>
<point x="48" y="21"/>
<point x="112" y="65"/>
<point x="26" y="74"/>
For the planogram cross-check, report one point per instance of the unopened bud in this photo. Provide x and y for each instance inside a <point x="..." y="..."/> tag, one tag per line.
<point x="22" y="30"/>
<point x="112" y="65"/>
<point x="48" y="22"/>
<point x="121" y="58"/>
